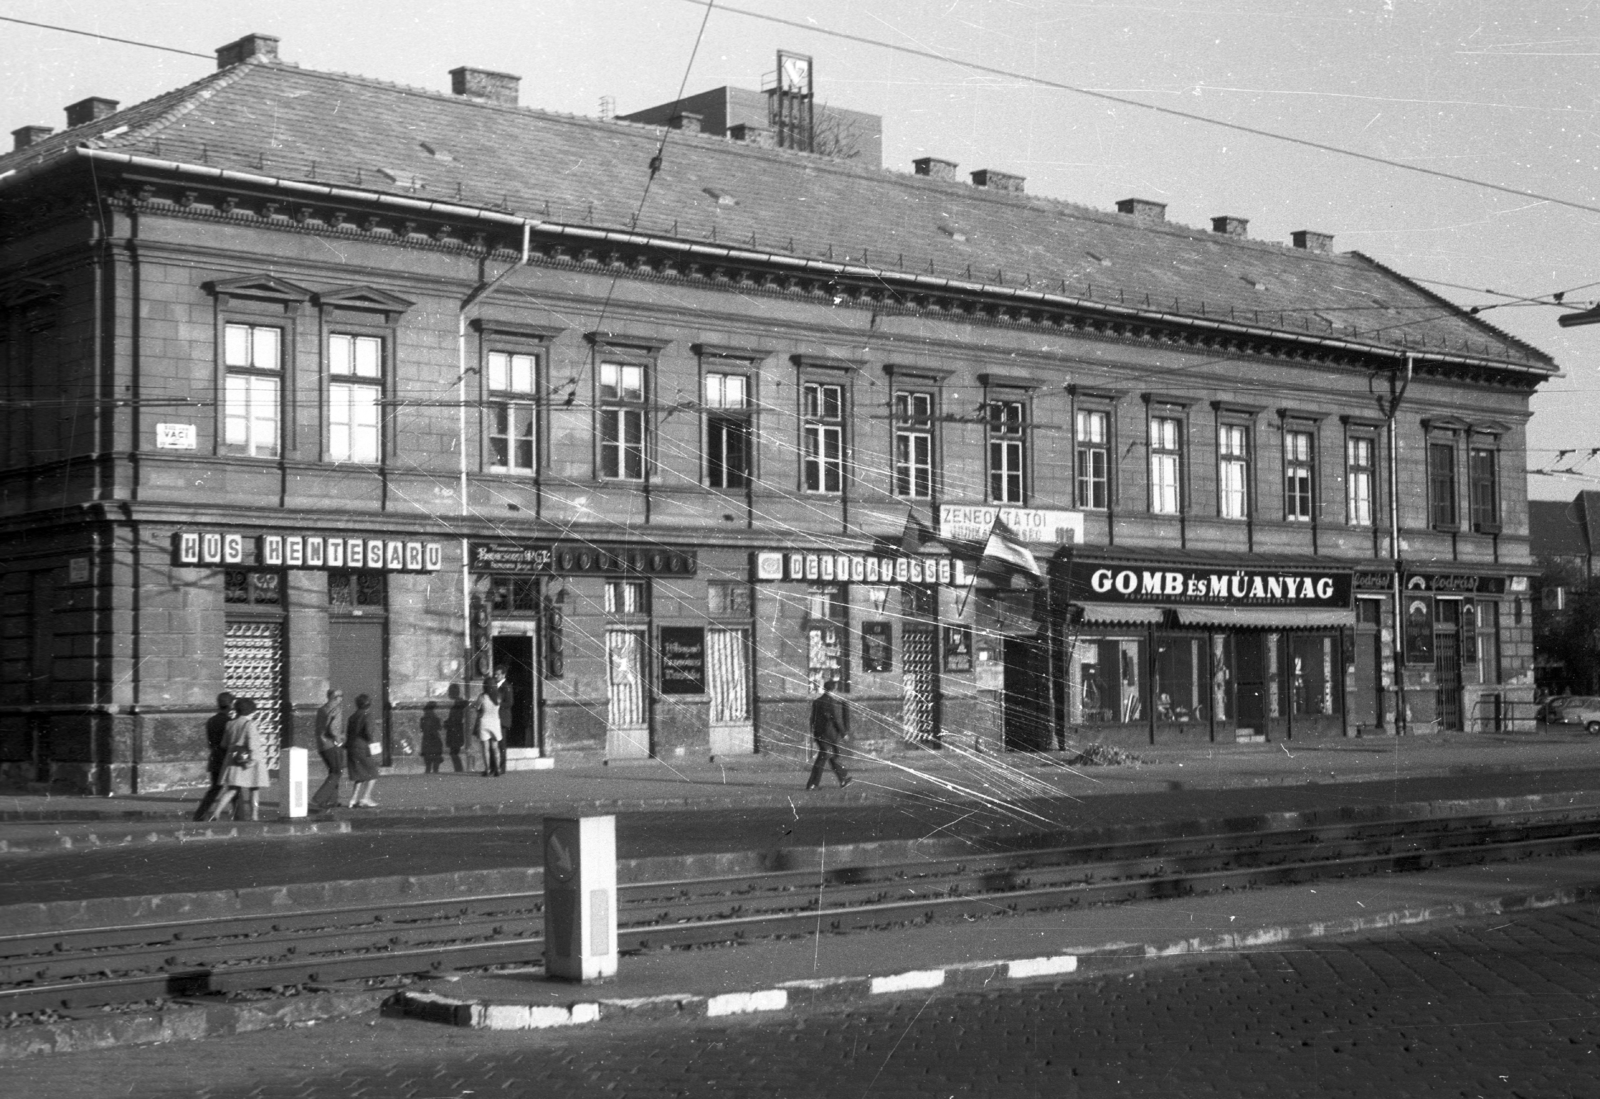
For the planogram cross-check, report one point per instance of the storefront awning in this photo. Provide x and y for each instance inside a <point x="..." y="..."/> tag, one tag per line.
<point x="1119" y="614"/>
<point x="1278" y="618"/>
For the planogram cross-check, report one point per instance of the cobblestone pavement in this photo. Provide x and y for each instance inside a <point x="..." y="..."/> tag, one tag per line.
<point x="1508" y="1007"/>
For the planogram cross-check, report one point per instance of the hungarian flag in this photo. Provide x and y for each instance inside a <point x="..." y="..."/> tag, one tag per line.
<point x="914" y="536"/>
<point x="1005" y="555"/>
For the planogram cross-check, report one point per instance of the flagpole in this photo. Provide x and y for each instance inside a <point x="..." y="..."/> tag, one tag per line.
<point x="972" y="583"/>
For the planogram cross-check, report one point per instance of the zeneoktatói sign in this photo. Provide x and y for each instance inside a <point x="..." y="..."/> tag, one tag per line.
<point x="1206" y="586"/>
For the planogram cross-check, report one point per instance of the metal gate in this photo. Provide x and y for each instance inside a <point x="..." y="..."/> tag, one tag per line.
<point x="919" y="684"/>
<point x="252" y="667"/>
<point x="627" y="709"/>
<point x="728" y="685"/>
<point x="1447" y="670"/>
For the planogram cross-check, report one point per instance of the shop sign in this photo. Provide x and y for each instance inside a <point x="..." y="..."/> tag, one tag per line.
<point x="305" y="551"/>
<point x="1182" y="585"/>
<point x="1455" y="582"/>
<point x="579" y="559"/>
<point x="962" y="523"/>
<point x="1374" y="581"/>
<point x="683" y="660"/>
<point x="858" y="568"/>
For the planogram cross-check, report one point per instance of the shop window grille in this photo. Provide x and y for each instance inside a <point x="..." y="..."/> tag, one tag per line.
<point x="514" y="594"/>
<point x="261" y="589"/>
<point x="357" y="590"/>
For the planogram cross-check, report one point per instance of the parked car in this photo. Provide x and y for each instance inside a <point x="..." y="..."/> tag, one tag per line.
<point x="1573" y="710"/>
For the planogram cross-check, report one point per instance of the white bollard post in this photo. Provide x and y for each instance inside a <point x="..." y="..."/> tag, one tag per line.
<point x="580" y="897"/>
<point x="293" y="770"/>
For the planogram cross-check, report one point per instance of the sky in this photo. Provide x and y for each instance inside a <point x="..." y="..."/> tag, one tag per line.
<point x="1497" y="91"/>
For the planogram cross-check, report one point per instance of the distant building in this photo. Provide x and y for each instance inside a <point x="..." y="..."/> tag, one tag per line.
<point x="316" y="380"/>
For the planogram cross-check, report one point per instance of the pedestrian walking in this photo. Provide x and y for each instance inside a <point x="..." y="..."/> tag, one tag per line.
<point x="362" y="751"/>
<point x="244" y="770"/>
<point x="330" y="746"/>
<point x="490" y="733"/>
<point x="216" y="728"/>
<point x="830" y="724"/>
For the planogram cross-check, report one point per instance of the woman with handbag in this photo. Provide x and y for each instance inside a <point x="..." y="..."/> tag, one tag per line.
<point x="244" y="768"/>
<point x="362" y="753"/>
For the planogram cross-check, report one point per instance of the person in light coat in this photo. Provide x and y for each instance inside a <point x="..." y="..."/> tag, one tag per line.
<point x="490" y="733"/>
<point x="244" y="770"/>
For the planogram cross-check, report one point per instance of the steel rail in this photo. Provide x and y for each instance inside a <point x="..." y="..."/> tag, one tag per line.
<point x="386" y="960"/>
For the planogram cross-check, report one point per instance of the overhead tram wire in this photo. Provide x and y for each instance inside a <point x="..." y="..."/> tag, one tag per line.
<point x="1172" y="112"/>
<point x="106" y="37"/>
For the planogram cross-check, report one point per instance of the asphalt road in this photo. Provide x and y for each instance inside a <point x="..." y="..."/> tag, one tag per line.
<point x="1508" y="1007"/>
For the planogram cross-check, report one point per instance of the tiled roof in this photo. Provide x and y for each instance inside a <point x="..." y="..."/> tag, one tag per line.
<point x="277" y="120"/>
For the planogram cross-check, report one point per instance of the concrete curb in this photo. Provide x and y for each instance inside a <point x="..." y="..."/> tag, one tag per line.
<point x="156" y="832"/>
<point x="428" y="1006"/>
<point x="185" y="1020"/>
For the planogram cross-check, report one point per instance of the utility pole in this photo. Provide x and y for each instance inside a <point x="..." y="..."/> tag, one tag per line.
<point x="1391" y="406"/>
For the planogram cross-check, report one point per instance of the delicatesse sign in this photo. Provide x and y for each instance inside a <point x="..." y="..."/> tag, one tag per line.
<point x="1189" y="585"/>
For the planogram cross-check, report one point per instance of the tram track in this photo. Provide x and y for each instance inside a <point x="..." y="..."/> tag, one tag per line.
<point x="93" y="967"/>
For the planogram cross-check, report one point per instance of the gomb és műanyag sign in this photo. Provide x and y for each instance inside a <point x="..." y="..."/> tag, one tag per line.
<point x="1207" y="586"/>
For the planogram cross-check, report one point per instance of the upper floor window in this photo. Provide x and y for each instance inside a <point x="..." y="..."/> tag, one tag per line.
<point x="513" y="412"/>
<point x="729" y="433"/>
<point x="1092" y="430"/>
<point x="252" y="356"/>
<point x="1166" y="467"/>
<point x="1007" y="430"/>
<point x="1298" y="476"/>
<point x="1483" y="476"/>
<point x="355" y="392"/>
<point x="913" y="444"/>
<point x="1360" y="476"/>
<point x="1233" y="471"/>
<point x="622" y="421"/>
<point x="1442" y="484"/>
<point x="627" y="597"/>
<point x="823" y="442"/>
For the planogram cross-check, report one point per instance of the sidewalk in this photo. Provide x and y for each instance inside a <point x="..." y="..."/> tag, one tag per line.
<point x="770" y="780"/>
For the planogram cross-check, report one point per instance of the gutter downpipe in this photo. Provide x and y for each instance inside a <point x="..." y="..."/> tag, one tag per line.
<point x="483" y="290"/>
<point x="1397" y="649"/>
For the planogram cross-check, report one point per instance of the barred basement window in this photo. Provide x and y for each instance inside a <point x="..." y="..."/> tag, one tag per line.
<point x="261" y="589"/>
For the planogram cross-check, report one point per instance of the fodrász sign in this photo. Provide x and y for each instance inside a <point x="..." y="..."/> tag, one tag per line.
<point x="1187" y="585"/>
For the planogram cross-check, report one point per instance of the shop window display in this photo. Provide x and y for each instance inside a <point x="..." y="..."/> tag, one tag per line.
<point x="1106" y="680"/>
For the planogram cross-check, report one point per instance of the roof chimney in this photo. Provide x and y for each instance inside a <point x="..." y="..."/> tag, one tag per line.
<point x="492" y="87"/>
<point x="1312" y="241"/>
<point x="997" y="181"/>
<point x="1143" y="208"/>
<point x="934" y="168"/>
<point x="90" y="110"/>
<point x="687" y="121"/>
<point x="262" y="47"/>
<point x="751" y="135"/>
<point x="24" y="136"/>
<point x="1230" y="226"/>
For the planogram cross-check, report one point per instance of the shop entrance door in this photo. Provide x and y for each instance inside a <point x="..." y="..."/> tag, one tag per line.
<point x="1447" y="672"/>
<point x="252" y="667"/>
<point x="355" y="666"/>
<point x="919" y="684"/>
<point x="1250" y="666"/>
<point x="627" y="709"/>
<point x="1027" y="696"/>
<point x="728" y="685"/>
<point x="514" y="653"/>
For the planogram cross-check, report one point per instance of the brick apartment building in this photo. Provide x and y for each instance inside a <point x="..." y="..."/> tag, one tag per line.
<point x="311" y="379"/>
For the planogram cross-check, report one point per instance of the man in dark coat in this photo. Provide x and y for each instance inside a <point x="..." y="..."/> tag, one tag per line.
<point x="330" y="746"/>
<point x="216" y="755"/>
<point x="830" y="724"/>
